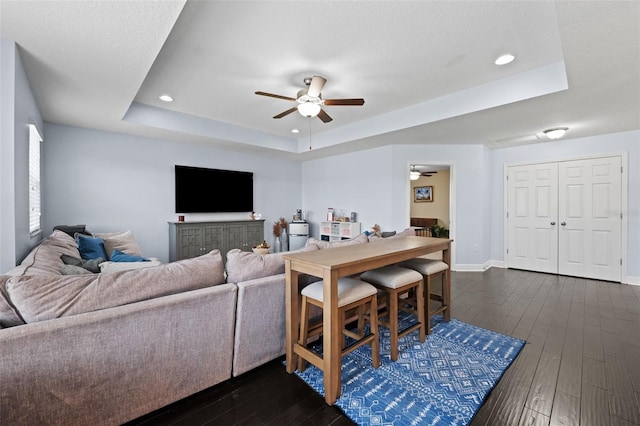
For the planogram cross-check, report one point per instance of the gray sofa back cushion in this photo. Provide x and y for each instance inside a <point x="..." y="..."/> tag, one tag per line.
<point x="245" y="265"/>
<point x="40" y="298"/>
<point x="360" y="239"/>
<point x="45" y="258"/>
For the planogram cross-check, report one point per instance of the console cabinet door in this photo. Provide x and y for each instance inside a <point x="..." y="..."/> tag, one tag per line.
<point x="189" y="241"/>
<point x="244" y="236"/>
<point x="255" y="234"/>
<point x="213" y="237"/>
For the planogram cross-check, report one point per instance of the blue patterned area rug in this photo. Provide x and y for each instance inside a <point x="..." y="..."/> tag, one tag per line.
<point x="443" y="381"/>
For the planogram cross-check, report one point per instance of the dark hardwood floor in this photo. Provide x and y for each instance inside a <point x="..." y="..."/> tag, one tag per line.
<point x="580" y="366"/>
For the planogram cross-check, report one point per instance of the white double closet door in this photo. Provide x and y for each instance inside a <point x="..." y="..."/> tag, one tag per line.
<point x="564" y="217"/>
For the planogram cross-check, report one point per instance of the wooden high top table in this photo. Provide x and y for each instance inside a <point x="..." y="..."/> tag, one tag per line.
<point x="329" y="265"/>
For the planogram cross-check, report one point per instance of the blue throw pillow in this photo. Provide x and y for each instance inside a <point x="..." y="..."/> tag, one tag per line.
<point x="119" y="256"/>
<point x="90" y="247"/>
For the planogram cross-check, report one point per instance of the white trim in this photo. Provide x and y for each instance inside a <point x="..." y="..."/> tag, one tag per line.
<point x="632" y="280"/>
<point x="35" y="180"/>
<point x="470" y="267"/>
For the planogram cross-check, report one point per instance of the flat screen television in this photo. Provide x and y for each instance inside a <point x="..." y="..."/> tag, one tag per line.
<point x="202" y="190"/>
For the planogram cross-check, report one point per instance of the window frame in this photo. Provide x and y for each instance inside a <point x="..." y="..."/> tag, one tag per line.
<point x="34" y="188"/>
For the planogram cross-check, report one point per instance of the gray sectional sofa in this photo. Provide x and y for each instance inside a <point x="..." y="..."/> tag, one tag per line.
<point x="106" y="348"/>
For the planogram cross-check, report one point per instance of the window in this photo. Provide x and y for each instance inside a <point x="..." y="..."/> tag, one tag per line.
<point x="34" y="179"/>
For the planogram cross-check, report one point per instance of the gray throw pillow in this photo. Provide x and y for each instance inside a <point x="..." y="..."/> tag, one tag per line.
<point x="74" y="270"/>
<point x="91" y="265"/>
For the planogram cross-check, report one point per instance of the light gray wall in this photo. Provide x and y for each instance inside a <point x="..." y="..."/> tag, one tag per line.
<point x="7" y="148"/>
<point x="618" y="143"/>
<point x="115" y="182"/>
<point x="19" y="108"/>
<point x="375" y="183"/>
<point x="357" y="182"/>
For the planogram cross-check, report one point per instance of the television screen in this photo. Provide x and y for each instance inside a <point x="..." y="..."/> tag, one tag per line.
<point x="201" y="190"/>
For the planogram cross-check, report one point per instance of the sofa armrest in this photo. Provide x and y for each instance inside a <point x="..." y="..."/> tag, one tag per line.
<point x="116" y="364"/>
<point x="260" y="323"/>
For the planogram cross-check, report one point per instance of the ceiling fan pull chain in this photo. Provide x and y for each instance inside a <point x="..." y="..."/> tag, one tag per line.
<point x="309" y="121"/>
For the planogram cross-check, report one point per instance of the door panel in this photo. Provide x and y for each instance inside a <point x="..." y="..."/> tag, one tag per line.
<point x="532" y="208"/>
<point x="590" y="210"/>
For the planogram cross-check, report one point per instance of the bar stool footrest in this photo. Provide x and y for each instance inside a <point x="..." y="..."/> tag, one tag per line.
<point x="409" y="329"/>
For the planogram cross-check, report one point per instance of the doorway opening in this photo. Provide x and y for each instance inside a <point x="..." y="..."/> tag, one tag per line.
<point x="431" y="201"/>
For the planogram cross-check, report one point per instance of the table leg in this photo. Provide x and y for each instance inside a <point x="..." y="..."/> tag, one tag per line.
<point x="446" y="291"/>
<point x="332" y="359"/>
<point x="292" y="313"/>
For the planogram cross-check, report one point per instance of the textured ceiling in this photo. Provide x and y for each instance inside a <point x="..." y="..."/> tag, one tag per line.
<point x="425" y="69"/>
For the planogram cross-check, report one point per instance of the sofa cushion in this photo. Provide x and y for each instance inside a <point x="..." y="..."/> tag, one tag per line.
<point x="90" y="247"/>
<point x="409" y="232"/>
<point x="360" y="239"/>
<point x="39" y="298"/>
<point x="109" y="267"/>
<point x="245" y="265"/>
<point x="123" y="241"/>
<point x="119" y="256"/>
<point x="72" y="230"/>
<point x="44" y="259"/>
<point x="9" y="315"/>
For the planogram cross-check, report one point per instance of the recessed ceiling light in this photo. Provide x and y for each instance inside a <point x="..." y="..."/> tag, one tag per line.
<point x="505" y="59"/>
<point x="556" y="132"/>
<point x="295" y="131"/>
<point x="166" y="98"/>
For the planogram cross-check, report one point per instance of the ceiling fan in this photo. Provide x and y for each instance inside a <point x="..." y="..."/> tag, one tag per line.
<point x="415" y="174"/>
<point x="310" y="100"/>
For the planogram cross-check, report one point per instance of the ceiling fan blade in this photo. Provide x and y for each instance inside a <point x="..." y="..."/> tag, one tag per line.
<point x="316" y="85"/>
<point x="322" y="115"/>
<point x="356" y="101"/>
<point x="286" y="98"/>
<point x="287" y="112"/>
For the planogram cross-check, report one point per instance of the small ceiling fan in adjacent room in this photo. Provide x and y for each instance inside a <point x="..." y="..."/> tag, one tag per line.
<point x="414" y="174"/>
<point x="309" y="100"/>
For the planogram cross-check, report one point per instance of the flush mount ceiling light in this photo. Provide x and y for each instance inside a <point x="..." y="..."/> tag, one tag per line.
<point x="505" y="59"/>
<point x="166" y="98"/>
<point x="556" y="132"/>
<point x="309" y="109"/>
<point x="295" y="131"/>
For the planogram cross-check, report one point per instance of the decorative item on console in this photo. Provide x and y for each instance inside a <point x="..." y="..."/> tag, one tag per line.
<point x="262" y="248"/>
<point x="330" y="214"/>
<point x="281" y="243"/>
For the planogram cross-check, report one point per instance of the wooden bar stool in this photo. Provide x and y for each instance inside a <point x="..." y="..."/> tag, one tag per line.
<point x="352" y="294"/>
<point x="396" y="282"/>
<point x="430" y="269"/>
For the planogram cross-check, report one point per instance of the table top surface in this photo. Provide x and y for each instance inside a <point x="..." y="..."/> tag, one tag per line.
<point x="345" y="256"/>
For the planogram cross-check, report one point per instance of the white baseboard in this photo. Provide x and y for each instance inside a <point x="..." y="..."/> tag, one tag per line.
<point x="631" y="280"/>
<point x="470" y="267"/>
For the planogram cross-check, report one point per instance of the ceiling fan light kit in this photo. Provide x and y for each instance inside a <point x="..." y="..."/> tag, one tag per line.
<point x="309" y="109"/>
<point x="310" y="100"/>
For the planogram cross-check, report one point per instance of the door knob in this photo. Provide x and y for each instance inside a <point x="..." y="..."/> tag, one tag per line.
<point x="563" y="223"/>
<point x="553" y="223"/>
